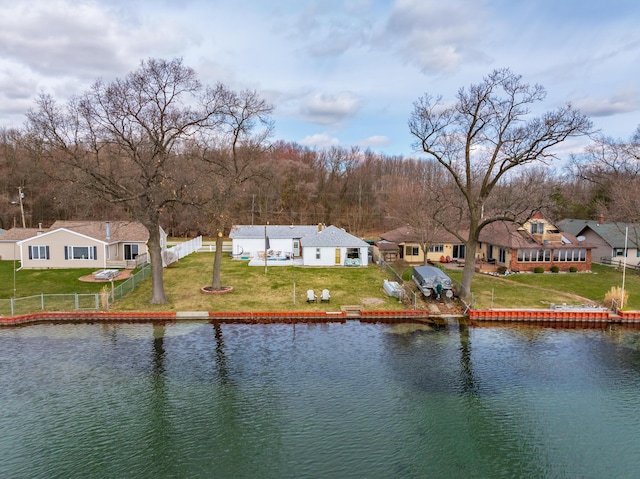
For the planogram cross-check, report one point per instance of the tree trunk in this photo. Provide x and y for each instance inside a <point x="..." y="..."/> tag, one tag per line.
<point x="217" y="262"/>
<point x="469" y="269"/>
<point x="155" y="258"/>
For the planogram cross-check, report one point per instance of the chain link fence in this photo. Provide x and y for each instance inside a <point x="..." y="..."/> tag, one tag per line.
<point x="74" y="301"/>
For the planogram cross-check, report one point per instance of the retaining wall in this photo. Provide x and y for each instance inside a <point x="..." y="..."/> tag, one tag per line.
<point x="249" y="317"/>
<point x="561" y="318"/>
<point x="550" y="315"/>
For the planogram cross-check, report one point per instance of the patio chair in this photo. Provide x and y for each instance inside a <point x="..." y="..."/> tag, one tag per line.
<point x="311" y="296"/>
<point x="325" y="296"/>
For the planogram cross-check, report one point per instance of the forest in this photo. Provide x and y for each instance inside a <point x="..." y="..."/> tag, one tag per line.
<point x="361" y="191"/>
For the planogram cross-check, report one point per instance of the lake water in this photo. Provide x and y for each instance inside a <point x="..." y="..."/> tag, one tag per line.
<point x="197" y="400"/>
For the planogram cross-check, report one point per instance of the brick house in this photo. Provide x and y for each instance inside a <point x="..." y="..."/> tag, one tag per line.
<point x="537" y="242"/>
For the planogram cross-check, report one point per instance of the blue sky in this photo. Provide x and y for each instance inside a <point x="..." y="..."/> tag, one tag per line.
<point x="339" y="72"/>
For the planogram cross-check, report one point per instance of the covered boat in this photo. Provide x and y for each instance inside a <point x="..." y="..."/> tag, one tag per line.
<point x="432" y="281"/>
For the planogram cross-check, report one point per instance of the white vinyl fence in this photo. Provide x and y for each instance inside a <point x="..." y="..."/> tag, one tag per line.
<point x="93" y="301"/>
<point x="181" y="250"/>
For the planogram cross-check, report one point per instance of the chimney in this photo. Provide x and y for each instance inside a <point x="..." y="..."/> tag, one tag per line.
<point x="107" y="229"/>
<point x="319" y="227"/>
<point x="600" y="219"/>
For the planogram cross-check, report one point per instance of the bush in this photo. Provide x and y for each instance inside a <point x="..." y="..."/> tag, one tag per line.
<point x="539" y="269"/>
<point x="501" y="269"/>
<point x="573" y="269"/>
<point x="614" y="297"/>
<point x="554" y="269"/>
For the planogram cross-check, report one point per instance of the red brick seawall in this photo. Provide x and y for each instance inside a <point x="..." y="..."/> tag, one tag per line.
<point x="533" y="316"/>
<point x="224" y="316"/>
<point x="549" y="315"/>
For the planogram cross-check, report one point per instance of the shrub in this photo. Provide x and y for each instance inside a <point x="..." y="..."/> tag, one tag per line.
<point x="554" y="269"/>
<point x="614" y="295"/>
<point x="539" y="269"/>
<point x="501" y="269"/>
<point x="573" y="269"/>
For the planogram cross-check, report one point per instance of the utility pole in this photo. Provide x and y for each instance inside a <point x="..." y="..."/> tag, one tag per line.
<point x="20" y="195"/>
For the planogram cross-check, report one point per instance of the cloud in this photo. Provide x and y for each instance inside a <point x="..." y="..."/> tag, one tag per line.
<point x="437" y="37"/>
<point x="329" y="30"/>
<point x="321" y="140"/>
<point x="375" y="141"/>
<point x="330" y="109"/>
<point x="623" y="102"/>
<point x="85" y="39"/>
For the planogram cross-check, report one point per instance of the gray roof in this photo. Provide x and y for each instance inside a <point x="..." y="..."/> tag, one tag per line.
<point x="612" y="233"/>
<point x="273" y="231"/>
<point x="333" y="236"/>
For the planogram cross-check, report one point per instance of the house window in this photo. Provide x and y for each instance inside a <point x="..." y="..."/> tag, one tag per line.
<point x="317" y="253"/>
<point x="80" y="252"/>
<point x="39" y="252"/>
<point x="353" y="253"/>
<point x="534" y="255"/>
<point x="437" y="248"/>
<point x="537" y="228"/>
<point x="618" y="252"/>
<point x="412" y="250"/>
<point x="570" y="255"/>
<point x="458" y="251"/>
<point x="130" y="251"/>
<point x="502" y="253"/>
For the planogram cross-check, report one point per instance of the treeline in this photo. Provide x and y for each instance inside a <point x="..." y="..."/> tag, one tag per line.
<point x="362" y="191"/>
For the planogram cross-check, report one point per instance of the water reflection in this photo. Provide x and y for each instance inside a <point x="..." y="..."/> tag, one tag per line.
<point x="342" y="400"/>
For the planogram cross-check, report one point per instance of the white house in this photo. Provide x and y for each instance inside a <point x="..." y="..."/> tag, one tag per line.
<point x="251" y="241"/>
<point x="333" y="246"/>
<point x="316" y="245"/>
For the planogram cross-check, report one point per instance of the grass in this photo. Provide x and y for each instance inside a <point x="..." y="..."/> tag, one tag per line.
<point x="30" y="282"/>
<point x="540" y="290"/>
<point x="256" y="291"/>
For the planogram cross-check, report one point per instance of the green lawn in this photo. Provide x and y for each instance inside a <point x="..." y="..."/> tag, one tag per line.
<point x="540" y="290"/>
<point x="255" y="290"/>
<point x="29" y="282"/>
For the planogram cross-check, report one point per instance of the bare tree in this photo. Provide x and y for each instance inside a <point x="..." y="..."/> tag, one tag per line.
<point x="124" y="141"/>
<point x="415" y="199"/>
<point x="237" y="158"/>
<point x="482" y="140"/>
<point x="612" y="168"/>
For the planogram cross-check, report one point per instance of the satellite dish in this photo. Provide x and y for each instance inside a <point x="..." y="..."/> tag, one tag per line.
<point x="581" y="238"/>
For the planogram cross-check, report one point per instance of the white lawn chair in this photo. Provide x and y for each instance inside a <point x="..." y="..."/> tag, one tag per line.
<point x="325" y="296"/>
<point x="311" y="296"/>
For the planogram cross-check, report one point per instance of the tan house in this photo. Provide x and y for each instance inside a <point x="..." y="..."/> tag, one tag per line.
<point x="610" y="240"/>
<point x="81" y="244"/>
<point x="536" y="243"/>
<point x="404" y="244"/>
<point x="9" y="239"/>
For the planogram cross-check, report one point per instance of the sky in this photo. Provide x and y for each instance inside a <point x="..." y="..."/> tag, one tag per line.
<point x="338" y="72"/>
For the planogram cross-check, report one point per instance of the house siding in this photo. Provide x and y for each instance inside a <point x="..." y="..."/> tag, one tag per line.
<point x="328" y="256"/>
<point x="57" y="241"/>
